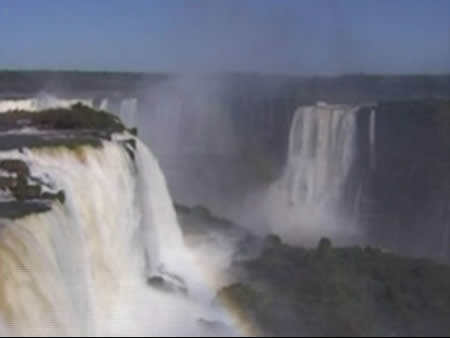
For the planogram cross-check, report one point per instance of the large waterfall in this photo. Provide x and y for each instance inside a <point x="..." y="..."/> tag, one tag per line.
<point x="84" y="266"/>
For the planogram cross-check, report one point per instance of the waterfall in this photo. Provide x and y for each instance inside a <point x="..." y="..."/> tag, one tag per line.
<point x="320" y="153"/>
<point x="82" y="267"/>
<point x="165" y="238"/>
<point x="104" y="104"/>
<point x="303" y="204"/>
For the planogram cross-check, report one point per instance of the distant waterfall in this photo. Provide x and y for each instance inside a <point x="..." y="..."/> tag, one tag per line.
<point x="303" y="204"/>
<point x="320" y="153"/>
<point x="104" y="104"/>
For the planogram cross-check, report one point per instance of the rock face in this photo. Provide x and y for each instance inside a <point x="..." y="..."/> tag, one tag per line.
<point x="21" y="192"/>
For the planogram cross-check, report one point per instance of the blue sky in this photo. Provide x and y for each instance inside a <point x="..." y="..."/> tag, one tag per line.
<point x="275" y="36"/>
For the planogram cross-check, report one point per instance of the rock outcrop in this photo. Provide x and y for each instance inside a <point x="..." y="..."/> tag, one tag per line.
<point x="22" y="192"/>
<point x="328" y="291"/>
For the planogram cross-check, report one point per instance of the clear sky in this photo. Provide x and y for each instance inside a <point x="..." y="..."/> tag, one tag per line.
<point x="287" y="36"/>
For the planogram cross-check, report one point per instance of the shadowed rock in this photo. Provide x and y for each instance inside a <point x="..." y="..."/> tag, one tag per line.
<point x="164" y="285"/>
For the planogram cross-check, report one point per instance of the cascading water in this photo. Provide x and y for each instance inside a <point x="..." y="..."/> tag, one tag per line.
<point x="320" y="153"/>
<point x="303" y="203"/>
<point x="104" y="104"/>
<point x="82" y="268"/>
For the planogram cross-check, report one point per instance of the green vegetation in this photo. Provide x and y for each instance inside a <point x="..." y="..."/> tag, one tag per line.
<point x="329" y="291"/>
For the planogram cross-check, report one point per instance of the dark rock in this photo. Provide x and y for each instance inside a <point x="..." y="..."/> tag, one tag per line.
<point x="157" y="282"/>
<point x="16" y="209"/>
<point x="15" y="166"/>
<point x="78" y="117"/>
<point x="272" y="242"/>
<point x="162" y="284"/>
<point x="7" y="182"/>
<point x="181" y="208"/>
<point x="324" y="245"/>
<point x="60" y="127"/>
<point x="201" y="211"/>
<point x="130" y="148"/>
<point x="133" y="131"/>
<point x="26" y="192"/>
<point x="59" y="196"/>
<point x="131" y="143"/>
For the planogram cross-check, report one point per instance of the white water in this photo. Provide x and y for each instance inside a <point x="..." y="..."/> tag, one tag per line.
<point x="104" y="104"/>
<point x="320" y="153"/>
<point x="81" y="268"/>
<point x="303" y="204"/>
<point x="40" y="102"/>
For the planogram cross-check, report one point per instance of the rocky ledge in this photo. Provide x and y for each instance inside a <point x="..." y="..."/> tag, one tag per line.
<point x="289" y="291"/>
<point x="21" y="193"/>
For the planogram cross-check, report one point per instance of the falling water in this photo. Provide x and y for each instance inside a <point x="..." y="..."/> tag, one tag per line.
<point x="104" y="104"/>
<point x="320" y="154"/>
<point x="304" y="203"/>
<point x="82" y="268"/>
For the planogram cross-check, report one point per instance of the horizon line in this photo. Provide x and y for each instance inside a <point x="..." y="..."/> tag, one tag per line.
<point x="226" y="72"/>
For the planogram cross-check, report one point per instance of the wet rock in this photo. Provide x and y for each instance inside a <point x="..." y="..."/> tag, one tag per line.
<point x="15" y="209"/>
<point x="133" y="131"/>
<point x="164" y="285"/>
<point x="15" y="166"/>
<point x="26" y="192"/>
<point x="7" y="182"/>
<point x="71" y="128"/>
<point x="272" y="242"/>
<point x="130" y="148"/>
<point x="58" y="196"/>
